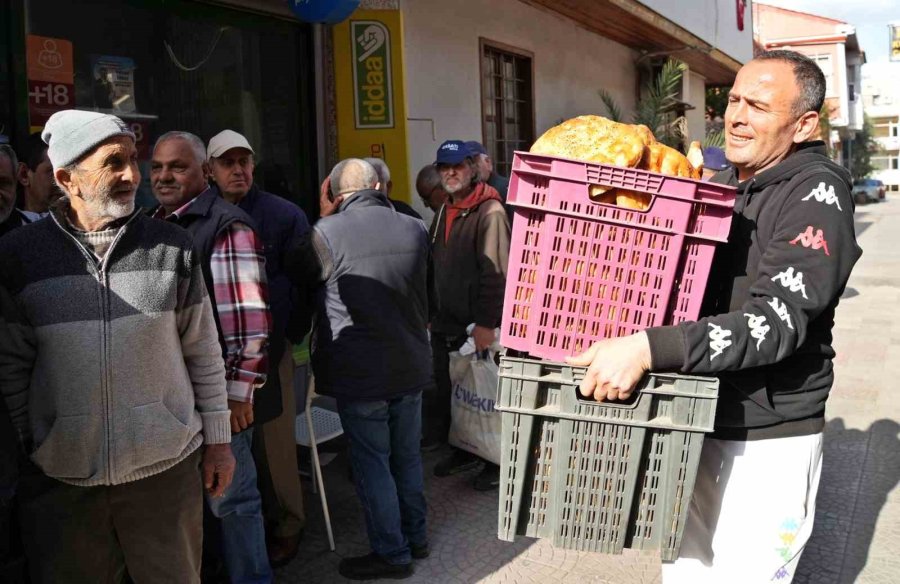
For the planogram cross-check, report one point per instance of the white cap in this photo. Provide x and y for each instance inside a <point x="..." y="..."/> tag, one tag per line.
<point x="225" y="141"/>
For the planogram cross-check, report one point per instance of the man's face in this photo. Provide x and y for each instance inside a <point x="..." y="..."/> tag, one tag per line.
<point x="41" y="190"/>
<point x="760" y="124"/>
<point x="7" y="188"/>
<point x="435" y="198"/>
<point x="233" y="172"/>
<point x="176" y="175"/>
<point x="456" y="177"/>
<point x="106" y="181"/>
<point x="485" y="167"/>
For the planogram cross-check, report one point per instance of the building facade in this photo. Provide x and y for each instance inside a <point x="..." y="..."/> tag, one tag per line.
<point x="197" y="66"/>
<point x="881" y="96"/>
<point x="497" y="71"/>
<point x="502" y="72"/>
<point x="834" y="46"/>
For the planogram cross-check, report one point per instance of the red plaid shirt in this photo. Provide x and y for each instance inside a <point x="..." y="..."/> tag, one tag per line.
<point x="238" y="269"/>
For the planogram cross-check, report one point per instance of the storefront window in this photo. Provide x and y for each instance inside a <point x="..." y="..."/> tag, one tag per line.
<point x="179" y="65"/>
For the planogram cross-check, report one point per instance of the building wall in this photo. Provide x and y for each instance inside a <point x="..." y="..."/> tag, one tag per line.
<point x="837" y="92"/>
<point x="776" y="23"/>
<point x="714" y="21"/>
<point x="696" y="118"/>
<point x="442" y="61"/>
<point x="881" y="99"/>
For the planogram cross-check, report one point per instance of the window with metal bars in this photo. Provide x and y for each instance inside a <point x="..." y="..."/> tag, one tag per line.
<point x="507" y="102"/>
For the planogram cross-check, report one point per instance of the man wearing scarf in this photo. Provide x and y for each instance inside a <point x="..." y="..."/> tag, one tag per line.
<point x="470" y="252"/>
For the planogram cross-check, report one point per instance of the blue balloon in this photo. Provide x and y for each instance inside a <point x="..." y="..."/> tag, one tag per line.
<point x="324" y="11"/>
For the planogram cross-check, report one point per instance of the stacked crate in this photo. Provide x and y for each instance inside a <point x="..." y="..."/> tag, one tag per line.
<point x="601" y="476"/>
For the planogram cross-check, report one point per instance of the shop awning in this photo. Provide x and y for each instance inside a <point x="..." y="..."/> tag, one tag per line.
<point x="634" y="25"/>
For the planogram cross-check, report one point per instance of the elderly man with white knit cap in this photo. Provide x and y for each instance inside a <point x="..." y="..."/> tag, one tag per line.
<point x="112" y="373"/>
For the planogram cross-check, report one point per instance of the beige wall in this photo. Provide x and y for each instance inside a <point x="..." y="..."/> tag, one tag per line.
<point x="441" y="52"/>
<point x="714" y="21"/>
<point x="696" y="118"/>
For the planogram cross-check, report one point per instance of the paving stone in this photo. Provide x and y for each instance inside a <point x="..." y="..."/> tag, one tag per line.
<point x="856" y="537"/>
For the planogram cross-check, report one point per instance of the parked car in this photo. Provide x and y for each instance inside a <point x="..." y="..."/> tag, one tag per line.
<point x="868" y="190"/>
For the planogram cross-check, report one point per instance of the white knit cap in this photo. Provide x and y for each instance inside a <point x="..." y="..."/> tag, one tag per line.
<point x="70" y="134"/>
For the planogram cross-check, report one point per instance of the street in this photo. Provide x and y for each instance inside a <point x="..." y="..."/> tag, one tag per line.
<point x="857" y="529"/>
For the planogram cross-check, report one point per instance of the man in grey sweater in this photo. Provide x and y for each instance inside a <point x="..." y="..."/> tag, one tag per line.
<point x="112" y="373"/>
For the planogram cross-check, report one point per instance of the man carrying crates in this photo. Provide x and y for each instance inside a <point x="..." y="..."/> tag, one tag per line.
<point x="765" y="331"/>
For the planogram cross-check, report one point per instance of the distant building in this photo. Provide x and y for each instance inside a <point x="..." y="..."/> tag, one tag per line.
<point x="833" y="45"/>
<point x="881" y="96"/>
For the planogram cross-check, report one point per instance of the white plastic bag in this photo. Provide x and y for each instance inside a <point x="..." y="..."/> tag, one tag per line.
<point x="475" y="425"/>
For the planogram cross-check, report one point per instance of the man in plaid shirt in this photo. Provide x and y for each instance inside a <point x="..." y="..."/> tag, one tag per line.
<point x="234" y="270"/>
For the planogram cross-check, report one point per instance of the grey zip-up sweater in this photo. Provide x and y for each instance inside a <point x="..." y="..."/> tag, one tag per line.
<point x="111" y="369"/>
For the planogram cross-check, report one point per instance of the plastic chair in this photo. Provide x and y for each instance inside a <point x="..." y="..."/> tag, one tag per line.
<point x="312" y="427"/>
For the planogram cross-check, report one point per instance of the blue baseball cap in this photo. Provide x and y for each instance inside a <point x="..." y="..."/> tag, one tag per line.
<point x="475" y="148"/>
<point x="714" y="159"/>
<point x="452" y="152"/>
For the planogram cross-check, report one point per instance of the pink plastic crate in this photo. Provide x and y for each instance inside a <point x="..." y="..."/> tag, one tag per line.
<point x="581" y="271"/>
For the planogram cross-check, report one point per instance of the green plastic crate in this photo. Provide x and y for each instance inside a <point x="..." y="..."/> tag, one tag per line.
<point x="599" y="476"/>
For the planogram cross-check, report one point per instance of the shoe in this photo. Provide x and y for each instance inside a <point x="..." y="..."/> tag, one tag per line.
<point x="420" y="552"/>
<point x="283" y="549"/>
<point x="373" y="567"/>
<point x="488" y="479"/>
<point x="430" y="444"/>
<point x="457" y="462"/>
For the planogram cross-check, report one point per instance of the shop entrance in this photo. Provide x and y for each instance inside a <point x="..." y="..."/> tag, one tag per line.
<point x="180" y="65"/>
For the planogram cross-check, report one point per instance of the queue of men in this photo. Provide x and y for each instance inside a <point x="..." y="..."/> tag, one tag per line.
<point x="145" y="368"/>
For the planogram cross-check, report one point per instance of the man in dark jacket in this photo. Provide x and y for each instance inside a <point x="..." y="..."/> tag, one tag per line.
<point x="487" y="174"/>
<point x="766" y="332"/>
<point x="386" y="185"/>
<point x="230" y="256"/>
<point x="9" y="469"/>
<point x="368" y="265"/>
<point x="10" y="217"/>
<point x="280" y="224"/>
<point x="470" y="249"/>
<point x="35" y="175"/>
<point x="430" y="189"/>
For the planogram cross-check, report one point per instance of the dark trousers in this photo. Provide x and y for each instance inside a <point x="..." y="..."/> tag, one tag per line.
<point x="152" y="527"/>
<point x="437" y="402"/>
<point x="387" y="470"/>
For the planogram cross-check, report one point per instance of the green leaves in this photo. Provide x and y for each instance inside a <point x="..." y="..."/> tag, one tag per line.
<point x="656" y="108"/>
<point x="714" y="139"/>
<point x="612" y="108"/>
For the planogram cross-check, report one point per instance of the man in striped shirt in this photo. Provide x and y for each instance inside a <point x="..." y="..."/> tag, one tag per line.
<point x="233" y="266"/>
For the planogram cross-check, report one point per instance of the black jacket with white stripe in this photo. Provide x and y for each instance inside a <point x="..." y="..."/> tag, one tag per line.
<point x="769" y="306"/>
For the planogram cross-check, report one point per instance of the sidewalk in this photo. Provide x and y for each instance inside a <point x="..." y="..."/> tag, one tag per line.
<point x="857" y="533"/>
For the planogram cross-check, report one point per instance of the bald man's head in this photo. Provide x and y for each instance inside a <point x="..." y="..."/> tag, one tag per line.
<point x="384" y="174"/>
<point x="428" y="185"/>
<point x="352" y="175"/>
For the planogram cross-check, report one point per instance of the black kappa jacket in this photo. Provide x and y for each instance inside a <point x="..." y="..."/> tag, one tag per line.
<point x="770" y="301"/>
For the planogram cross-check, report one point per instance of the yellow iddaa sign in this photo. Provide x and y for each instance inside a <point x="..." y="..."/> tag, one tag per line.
<point x="371" y="106"/>
<point x="895" y="41"/>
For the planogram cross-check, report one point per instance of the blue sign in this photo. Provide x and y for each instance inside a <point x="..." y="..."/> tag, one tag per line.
<point x="324" y="11"/>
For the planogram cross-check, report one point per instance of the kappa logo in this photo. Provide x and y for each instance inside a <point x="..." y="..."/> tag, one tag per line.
<point x="791" y="281"/>
<point x="781" y="310"/>
<point x="758" y="328"/>
<point x="824" y="195"/>
<point x="812" y="238"/>
<point x="718" y="340"/>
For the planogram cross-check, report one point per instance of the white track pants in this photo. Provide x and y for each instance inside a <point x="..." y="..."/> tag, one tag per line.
<point x="752" y="512"/>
